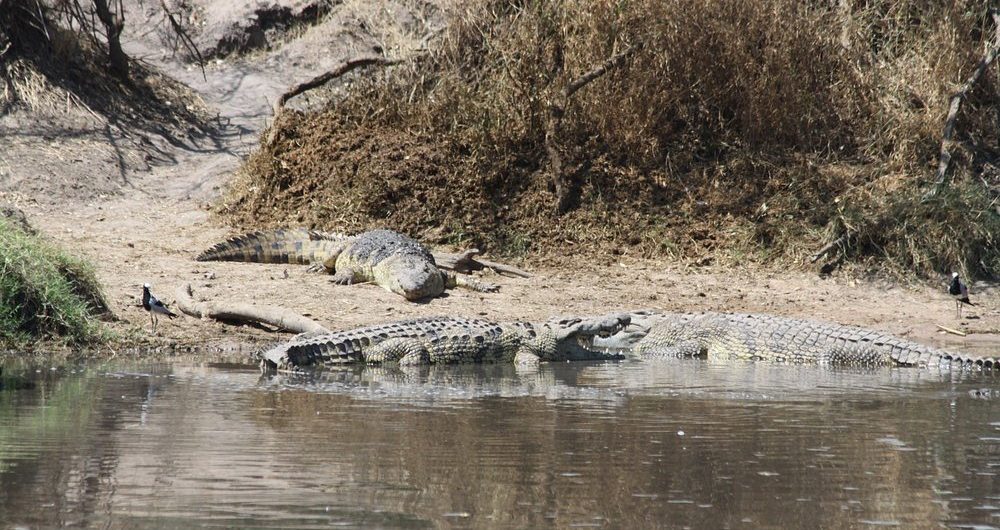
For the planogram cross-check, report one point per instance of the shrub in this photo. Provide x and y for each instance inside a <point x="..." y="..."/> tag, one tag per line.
<point x="759" y="129"/>
<point x="45" y="294"/>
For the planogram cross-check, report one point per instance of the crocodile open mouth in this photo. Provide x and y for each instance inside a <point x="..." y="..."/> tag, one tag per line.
<point x="584" y="346"/>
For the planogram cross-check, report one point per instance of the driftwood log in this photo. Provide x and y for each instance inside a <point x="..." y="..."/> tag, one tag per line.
<point x="277" y="317"/>
<point x="956" y="103"/>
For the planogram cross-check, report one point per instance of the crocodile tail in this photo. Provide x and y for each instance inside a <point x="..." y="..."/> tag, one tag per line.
<point x="295" y="246"/>
<point x="971" y="359"/>
<point x="923" y="356"/>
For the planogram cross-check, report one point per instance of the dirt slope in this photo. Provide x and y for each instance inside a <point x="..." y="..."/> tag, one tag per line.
<point x="136" y="205"/>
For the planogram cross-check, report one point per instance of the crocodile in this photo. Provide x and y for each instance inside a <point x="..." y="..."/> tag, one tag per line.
<point x="389" y="259"/>
<point x="774" y="338"/>
<point x="445" y="340"/>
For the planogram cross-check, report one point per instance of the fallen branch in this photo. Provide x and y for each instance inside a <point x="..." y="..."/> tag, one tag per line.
<point x="956" y="103"/>
<point x="277" y="317"/>
<point x="830" y="246"/>
<point x="950" y="330"/>
<point x="323" y="78"/>
<point x="557" y="109"/>
<point x="467" y="262"/>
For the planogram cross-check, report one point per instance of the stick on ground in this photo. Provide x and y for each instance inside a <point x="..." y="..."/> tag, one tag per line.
<point x="951" y="330"/>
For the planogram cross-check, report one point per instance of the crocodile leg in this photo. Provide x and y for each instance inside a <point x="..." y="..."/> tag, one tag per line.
<point x="464" y="281"/>
<point x="526" y="358"/>
<point x="405" y="351"/>
<point x="346" y="276"/>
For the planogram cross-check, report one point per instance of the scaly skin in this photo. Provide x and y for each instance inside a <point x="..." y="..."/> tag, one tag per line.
<point x="444" y="340"/>
<point x="774" y="338"/>
<point x="296" y="246"/>
<point x="392" y="260"/>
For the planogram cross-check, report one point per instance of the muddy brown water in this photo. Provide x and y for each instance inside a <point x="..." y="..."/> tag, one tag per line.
<point x="668" y="444"/>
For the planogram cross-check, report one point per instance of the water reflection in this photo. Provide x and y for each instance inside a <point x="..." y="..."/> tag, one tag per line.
<point x="666" y="444"/>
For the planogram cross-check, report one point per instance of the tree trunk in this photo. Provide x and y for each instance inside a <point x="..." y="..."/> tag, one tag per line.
<point x="113" y="25"/>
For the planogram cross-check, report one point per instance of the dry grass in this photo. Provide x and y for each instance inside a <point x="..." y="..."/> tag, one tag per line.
<point x="66" y="69"/>
<point x="740" y="131"/>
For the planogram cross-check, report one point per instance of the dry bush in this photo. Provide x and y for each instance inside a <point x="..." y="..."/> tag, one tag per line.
<point x="741" y="130"/>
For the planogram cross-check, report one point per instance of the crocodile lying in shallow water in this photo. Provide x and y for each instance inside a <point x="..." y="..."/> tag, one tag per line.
<point x="439" y="340"/>
<point x="769" y="337"/>
<point x="392" y="260"/>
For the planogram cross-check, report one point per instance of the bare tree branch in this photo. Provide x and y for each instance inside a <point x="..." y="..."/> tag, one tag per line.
<point x="557" y="109"/>
<point x="325" y="77"/>
<point x="41" y="20"/>
<point x="186" y="40"/>
<point x="956" y="103"/>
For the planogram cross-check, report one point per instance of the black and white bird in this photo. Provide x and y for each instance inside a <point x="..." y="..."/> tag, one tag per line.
<point x="960" y="292"/>
<point x="154" y="306"/>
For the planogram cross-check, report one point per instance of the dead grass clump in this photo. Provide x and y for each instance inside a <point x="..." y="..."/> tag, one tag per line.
<point x="51" y="67"/>
<point x="739" y="131"/>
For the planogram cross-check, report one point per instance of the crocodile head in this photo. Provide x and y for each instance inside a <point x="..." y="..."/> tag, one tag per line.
<point x="640" y="323"/>
<point x="413" y="277"/>
<point x="574" y="336"/>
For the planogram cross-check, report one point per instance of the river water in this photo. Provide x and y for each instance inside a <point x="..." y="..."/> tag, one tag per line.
<point x="668" y="444"/>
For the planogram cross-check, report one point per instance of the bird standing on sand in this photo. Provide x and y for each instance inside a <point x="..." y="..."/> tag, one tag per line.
<point x="154" y="306"/>
<point x="960" y="292"/>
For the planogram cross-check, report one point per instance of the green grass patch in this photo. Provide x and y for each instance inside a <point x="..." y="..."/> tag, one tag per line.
<point x="45" y="294"/>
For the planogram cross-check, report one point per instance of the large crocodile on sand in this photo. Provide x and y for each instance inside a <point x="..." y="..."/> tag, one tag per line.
<point x="392" y="260"/>
<point x="774" y="338"/>
<point x="440" y="340"/>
